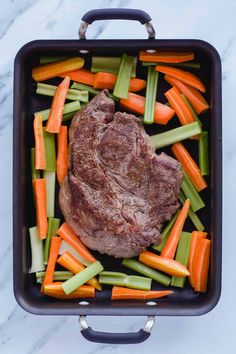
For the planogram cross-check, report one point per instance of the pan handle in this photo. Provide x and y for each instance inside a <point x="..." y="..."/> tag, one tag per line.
<point x="116" y="338"/>
<point x="116" y="14"/>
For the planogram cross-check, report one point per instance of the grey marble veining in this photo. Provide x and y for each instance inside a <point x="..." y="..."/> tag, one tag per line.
<point x="26" y="20"/>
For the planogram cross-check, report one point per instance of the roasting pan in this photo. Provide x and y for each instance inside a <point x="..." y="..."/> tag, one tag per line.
<point x="184" y="302"/>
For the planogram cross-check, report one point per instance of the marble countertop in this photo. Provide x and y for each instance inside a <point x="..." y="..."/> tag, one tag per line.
<point x="26" y="20"/>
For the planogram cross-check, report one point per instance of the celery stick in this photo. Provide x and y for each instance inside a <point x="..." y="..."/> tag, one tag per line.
<point x="182" y="256"/>
<point x="121" y="88"/>
<point x="192" y="216"/>
<point x="50" y="150"/>
<point x="191" y="109"/>
<point x="151" y="92"/>
<point x="36" y="246"/>
<point x="121" y="279"/>
<point x="91" y="90"/>
<point x="66" y="247"/>
<point x="175" y="135"/>
<point x="68" y="116"/>
<point x="165" y="233"/>
<point x="110" y="65"/>
<point x="53" y="226"/>
<point x="82" y="277"/>
<point x="50" y="177"/>
<point x="184" y="64"/>
<point x="145" y="270"/>
<point x="51" y="59"/>
<point x="34" y="173"/>
<point x="191" y="193"/>
<point x="68" y="108"/>
<point x="73" y="95"/>
<point x="203" y="153"/>
<point x="58" y="275"/>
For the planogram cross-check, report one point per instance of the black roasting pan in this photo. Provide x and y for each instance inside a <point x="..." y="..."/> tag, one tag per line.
<point x="184" y="302"/>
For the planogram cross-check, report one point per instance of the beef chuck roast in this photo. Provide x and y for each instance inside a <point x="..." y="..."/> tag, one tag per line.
<point x="118" y="192"/>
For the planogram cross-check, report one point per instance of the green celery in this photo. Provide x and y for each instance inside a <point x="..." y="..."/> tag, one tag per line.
<point x="203" y="153"/>
<point x="50" y="150"/>
<point x="82" y="277"/>
<point x="36" y="246"/>
<point x="34" y="173"/>
<point x="165" y="233"/>
<point x="121" y="88"/>
<point x="192" y="216"/>
<point x="68" y="116"/>
<point x="68" y="108"/>
<point x="182" y="256"/>
<point x="145" y="270"/>
<point x="110" y="65"/>
<point x="151" y="92"/>
<point x="73" y="95"/>
<point x="184" y="64"/>
<point x="175" y="135"/>
<point x="58" y="275"/>
<point x="191" y="109"/>
<point x="91" y="90"/>
<point x="53" y="226"/>
<point x="191" y="193"/>
<point x="51" y="59"/>
<point x="121" y="279"/>
<point x="50" y="177"/>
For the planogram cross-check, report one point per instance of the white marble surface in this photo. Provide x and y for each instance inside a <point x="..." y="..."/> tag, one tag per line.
<point x="26" y="20"/>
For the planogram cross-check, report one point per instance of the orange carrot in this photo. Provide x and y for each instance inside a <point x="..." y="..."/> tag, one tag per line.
<point x="180" y="106"/>
<point x="82" y="75"/>
<point x="53" y="254"/>
<point x="69" y="262"/>
<point x="166" y="57"/>
<point x="201" y="265"/>
<point x="196" y="235"/>
<point x="189" y="166"/>
<point x="41" y="207"/>
<point x="55" y="290"/>
<point x="196" y="99"/>
<point x="183" y="76"/>
<point x="174" y="236"/>
<point x="104" y="80"/>
<point x="62" y="160"/>
<point x="166" y="265"/>
<point x="56" y="111"/>
<point x="68" y="235"/>
<point x="40" y="157"/>
<point x="121" y="293"/>
<point x="48" y="71"/>
<point x="136" y="103"/>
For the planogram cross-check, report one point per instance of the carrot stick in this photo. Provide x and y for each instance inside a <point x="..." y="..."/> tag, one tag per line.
<point x="196" y="99"/>
<point x="179" y="105"/>
<point x="189" y="166"/>
<point x="173" y="238"/>
<point x="55" y="290"/>
<point x="136" y="103"/>
<point x="56" y="111"/>
<point x="166" y="265"/>
<point x="183" y="76"/>
<point x="104" y="80"/>
<point x="201" y="265"/>
<point x="40" y="156"/>
<point x="121" y="293"/>
<point x="41" y="207"/>
<point x="62" y="160"/>
<point x="196" y="235"/>
<point x="53" y="254"/>
<point x="68" y="235"/>
<point x="48" y="71"/>
<point x="69" y="262"/>
<point x="82" y="75"/>
<point x="166" y="57"/>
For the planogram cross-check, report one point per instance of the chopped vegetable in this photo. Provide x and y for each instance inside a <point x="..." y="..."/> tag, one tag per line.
<point x="53" y="254"/>
<point x="68" y="235"/>
<point x="50" y="178"/>
<point x="62" y="163"/>
<point x="34" y="173"/>
<point x="41" y="207"/>
<point x="110" y="65"/>
<point x="103" y="80"/>
<point x="68" y="108"/>
<point x="182" y="256"/>
<point x="51" y="59"/>
<point x="73" y="95"/>
<point x="191" y="193"/>
<point x="174" y="236"/>
<point x="201" y="265"/>
<point x="68" y="116"/>
<point x="121" y="279"/>
<point x="40" y="157"/>
<point x="166" y="57"/>
<point x="56" y="111"/>
<point x="196" y="235"/>
<point x="120" y="293"/>
<point x="79" y="86"/>
<point x="57" y="275"/>
<point x="145" y="270"/>
<point x="79" y="279"/>
<point x="53" y="226"/>
<point x="165" y="233"/>
<point x="82" y="75"/>
<point x="48" y="71"/>
<point x="136" y="103"/>
<point x="203" y="153"/>
<point x="50" y="150"/>
<point x="189" y="165"/>
<point x="151" y="92"/>
<point x="191" y="109"/>
<point x="66" y="247"/>
<point x="36" y="247"/>
<point x="191" y="65"/>
<point x="192" y="216"/>
<point x="183" y="76"/>
<point x="122" y="84"/>
<point x="166" y="265"/>
<point x="174" y="135"/>
<point x="56" y="290"/>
